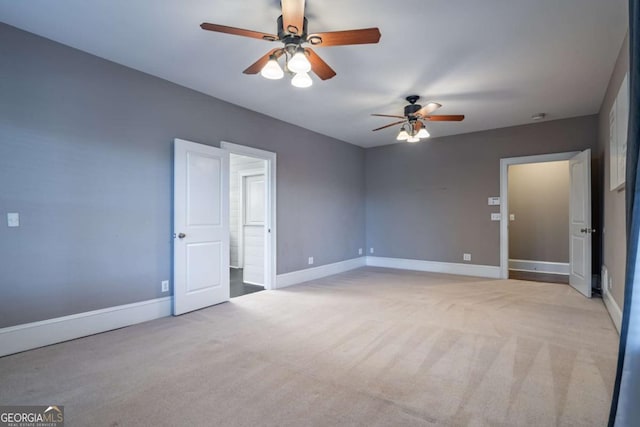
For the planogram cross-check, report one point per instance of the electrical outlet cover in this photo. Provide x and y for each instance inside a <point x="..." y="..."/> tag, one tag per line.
<point x="13" y="219"/>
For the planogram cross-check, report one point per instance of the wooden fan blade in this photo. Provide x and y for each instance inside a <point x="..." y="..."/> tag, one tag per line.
<point x="318" y="66"/>
<point x="388" y="115"/>
<point x="293" y="16"/>
<point x="341" y="38"/>
<point x="452" y="118"/>
<point x="257" y="66"/>
<point x="387" y="126"/>
<point x="238" y="32"/>
<point x="429" y="108"/>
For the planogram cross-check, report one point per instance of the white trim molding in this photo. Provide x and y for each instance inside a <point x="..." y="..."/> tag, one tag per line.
<point x="489" y="271"/>
<point x="15" y="339"/>
<point x="613" y="309"/>
<point x="539" y="266"/>
<point x="300" y="276"/>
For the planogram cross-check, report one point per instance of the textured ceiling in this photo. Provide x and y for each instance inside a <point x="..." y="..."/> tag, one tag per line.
<point x="496" y="61"/>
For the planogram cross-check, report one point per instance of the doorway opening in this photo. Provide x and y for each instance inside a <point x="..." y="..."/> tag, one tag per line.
<point x="578" y="233"/>
<point x="538" y="196"/>
<point x="251" y="219"/>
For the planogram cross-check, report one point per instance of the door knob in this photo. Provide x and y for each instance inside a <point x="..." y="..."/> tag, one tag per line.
<point x="587" y="230"/>
<point x="181" y="236"/>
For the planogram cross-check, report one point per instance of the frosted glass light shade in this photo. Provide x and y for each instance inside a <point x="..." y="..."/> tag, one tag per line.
<point x="272" y="70"/>
<point x="299" y="62"/>
<point x="423" y="133"/>
<point x="403" y="135"/>
<point x="301" y="80"/>
<point x="413" y="139"/>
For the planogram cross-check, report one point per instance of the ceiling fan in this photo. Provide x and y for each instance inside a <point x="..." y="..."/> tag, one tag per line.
<point x="292" y="32"/>
<point x="413" y="128"/>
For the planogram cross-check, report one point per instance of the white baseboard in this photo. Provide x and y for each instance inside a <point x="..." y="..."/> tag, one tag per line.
<point x="300" y="276"/>
<point x="539" y="266"/>
<point x="613" y="309"/>
<point x="489" y="271"/>
<point x="15" y="339"/>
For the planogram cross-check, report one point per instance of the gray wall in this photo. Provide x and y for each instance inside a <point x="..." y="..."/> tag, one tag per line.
<point x="539" y="200"/>
<point x="614" y="236"/>
<point x="86" y="159"/>
<point x="428" y="200"/>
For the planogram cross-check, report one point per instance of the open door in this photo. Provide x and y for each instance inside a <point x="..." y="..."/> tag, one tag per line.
<point x="580" y="223"/>
<point x="201" y="226"/>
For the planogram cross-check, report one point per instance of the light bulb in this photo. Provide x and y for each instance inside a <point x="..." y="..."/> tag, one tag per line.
<point x="423" y="133"/>
<point x="403" y="135"/>
<point x="413" y="139"/>
<point x="272" y="70"/>
<point x="301" y="80"/>
<point x="299" y="62"/>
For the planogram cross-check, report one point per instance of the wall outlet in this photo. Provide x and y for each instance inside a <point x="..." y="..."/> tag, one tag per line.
<point x="370" y="250"/>
<point x="13" y="219"/>
<point x="165" y="285"/>
<point x="466" y="257"/>
<point x="495" y="216"/>
<point x="360" y="251"/>
<point x="512" y="217"/>
<point x="310" y="260"/>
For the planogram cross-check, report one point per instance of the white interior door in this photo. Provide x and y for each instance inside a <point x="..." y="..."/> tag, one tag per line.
<point x="253" y="189"/>
<point x="580" y="223"/>
<point x="201" y="226"/>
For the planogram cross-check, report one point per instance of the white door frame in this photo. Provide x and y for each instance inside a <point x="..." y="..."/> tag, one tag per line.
<point x="243" y="174"/>
<point x="271" y="235"/>
<point x="504" y="201"/>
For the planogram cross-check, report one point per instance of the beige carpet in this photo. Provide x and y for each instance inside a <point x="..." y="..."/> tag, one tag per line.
<point x="372" y="347"/>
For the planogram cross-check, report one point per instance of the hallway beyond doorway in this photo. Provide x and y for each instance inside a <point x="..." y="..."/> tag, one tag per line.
<point x="238" y="287"/>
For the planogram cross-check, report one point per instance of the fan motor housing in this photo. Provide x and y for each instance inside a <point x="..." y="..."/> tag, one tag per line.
<point x="291" y="35"/>
<point x="411" y="109"/>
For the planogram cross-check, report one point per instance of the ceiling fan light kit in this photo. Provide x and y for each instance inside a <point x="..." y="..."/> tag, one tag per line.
<point x="272" y="69"/>
<point x="301" y="80"/>
<point x="413" y="128"/>
<point x="292" y="32"/>
<point x="299" y="62"/>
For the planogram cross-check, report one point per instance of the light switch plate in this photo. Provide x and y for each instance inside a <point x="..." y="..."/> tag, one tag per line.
<point x="13" y="219"/>
<point x="165" y="285"/>
<point x="494" y="201"/>
<point x="512" y="217"/>
<point x="495" y="216"/>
